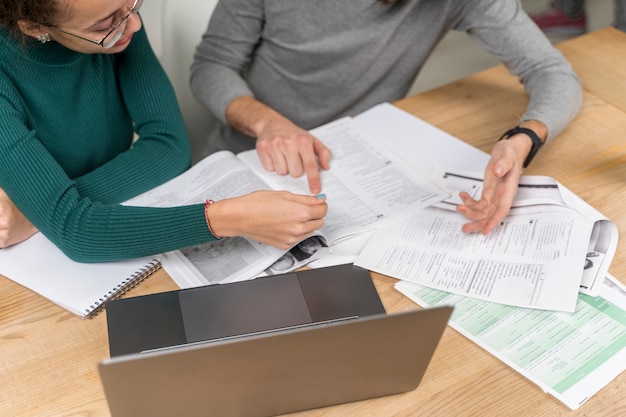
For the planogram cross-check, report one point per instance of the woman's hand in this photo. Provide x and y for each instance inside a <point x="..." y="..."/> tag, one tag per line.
<point x="14" y="226"/>
<point x="278" y="218"/>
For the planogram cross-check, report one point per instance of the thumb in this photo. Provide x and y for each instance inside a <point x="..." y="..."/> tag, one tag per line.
<point x="311" y="200"/>
<point x="320" y="198"/>
<point x="501" y="167"/>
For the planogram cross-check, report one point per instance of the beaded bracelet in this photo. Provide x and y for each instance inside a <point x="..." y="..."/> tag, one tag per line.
<point x="206" y="217"/>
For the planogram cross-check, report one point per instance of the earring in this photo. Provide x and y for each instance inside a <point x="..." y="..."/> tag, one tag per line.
<point x="44" y="37"/>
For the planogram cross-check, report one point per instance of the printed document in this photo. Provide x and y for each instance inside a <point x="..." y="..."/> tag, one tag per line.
<point x="572" y="356"/>
<point x="430" y="148"/>
<point x="420" y="144"/>
<point x="536" y="193"/>
<point x="536" y="257"/>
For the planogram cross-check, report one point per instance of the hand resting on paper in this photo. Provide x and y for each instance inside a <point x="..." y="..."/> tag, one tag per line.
<point x="500" y="183"/>
<point x="278" y="218"/>
<point x="282" y="146"/>
<point x="14" y="226"/>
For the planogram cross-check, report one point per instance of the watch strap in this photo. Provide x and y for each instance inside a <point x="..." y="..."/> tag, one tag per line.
<point x="537" y="142"/>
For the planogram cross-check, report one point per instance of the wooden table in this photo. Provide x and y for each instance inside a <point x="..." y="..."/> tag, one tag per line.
<point x="48" y="357"/>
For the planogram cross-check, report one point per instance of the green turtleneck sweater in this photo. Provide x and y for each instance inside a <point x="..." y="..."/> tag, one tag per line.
<point x="67" y="157"/>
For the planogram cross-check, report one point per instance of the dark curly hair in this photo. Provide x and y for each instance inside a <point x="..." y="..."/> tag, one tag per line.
<point x="39" y="11"/>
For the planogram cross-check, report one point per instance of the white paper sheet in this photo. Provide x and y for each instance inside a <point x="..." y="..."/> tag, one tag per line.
<point x="78" y="287"/>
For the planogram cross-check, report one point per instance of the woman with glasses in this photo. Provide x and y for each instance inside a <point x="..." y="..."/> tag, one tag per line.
<point x="88" y="119"/>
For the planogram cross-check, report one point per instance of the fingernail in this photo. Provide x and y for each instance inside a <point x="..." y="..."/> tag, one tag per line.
<point x="320" y="196"/>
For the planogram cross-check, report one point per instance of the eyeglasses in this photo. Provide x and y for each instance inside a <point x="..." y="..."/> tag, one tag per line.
<point x="114" y="34"/>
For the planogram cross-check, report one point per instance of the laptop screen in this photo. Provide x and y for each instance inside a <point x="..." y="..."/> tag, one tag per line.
<point x="228" y="310"/>
<point x="217" y="311"/>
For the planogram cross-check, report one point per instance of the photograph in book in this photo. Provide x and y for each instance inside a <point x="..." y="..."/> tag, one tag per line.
<point x="366" y="186"/>
<point x="534" y="258"/>
<point x="214" y="262"/>
<point x="302" y="254"/>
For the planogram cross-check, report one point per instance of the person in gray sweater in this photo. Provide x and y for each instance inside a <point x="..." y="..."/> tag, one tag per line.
<point x="271" y="70"/>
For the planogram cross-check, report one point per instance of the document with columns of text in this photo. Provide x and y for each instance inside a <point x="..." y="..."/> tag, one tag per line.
<point x="540" y="256"/>
<point x="571" y="356"/>
<point x="429" y="149"/>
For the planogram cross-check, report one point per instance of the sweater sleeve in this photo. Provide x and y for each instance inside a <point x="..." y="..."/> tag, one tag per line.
<point x="162" y="149"/>
<point x="79" y="217"/>
<point x="87" y="230"/>
<point x="227" y="47"/>
<point x="506" y="31"/>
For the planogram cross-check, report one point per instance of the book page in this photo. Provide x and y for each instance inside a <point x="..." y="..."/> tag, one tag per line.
<point x="571" y="356"/>
<point x="238" y="259"/>
<point x="218" y="176"/>
<point x="416" y="142"/>
<point x="366" y="186"/>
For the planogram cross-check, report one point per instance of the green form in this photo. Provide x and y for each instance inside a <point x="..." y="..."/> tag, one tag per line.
<point x="569" y="355"/>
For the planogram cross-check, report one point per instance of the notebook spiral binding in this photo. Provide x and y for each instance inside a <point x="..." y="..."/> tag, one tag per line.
<point x="125" y="286"/>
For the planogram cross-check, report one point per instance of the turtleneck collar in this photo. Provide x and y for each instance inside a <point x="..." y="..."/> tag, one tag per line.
<point x="49" y="53"/>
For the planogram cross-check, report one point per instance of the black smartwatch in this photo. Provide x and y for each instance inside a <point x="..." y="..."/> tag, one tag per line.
<point x="537" y="142"/>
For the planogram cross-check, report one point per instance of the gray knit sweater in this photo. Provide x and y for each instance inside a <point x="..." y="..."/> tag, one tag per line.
<point x="317" y="60"/>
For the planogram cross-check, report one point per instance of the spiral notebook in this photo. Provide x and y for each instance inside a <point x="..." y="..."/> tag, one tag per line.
<point x="84" y="289"/>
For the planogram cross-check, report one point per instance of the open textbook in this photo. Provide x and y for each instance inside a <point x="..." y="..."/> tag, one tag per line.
<point x="570" y="356"/>
<point x="420" y="144"/>
<point x="540" y="256"/>
<point x="367" y="186"/>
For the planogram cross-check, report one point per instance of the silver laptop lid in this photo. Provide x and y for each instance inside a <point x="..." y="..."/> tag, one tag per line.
<point x="277" y="373"/>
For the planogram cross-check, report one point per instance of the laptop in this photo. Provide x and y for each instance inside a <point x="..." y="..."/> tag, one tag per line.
<point x="264" y="347"/>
